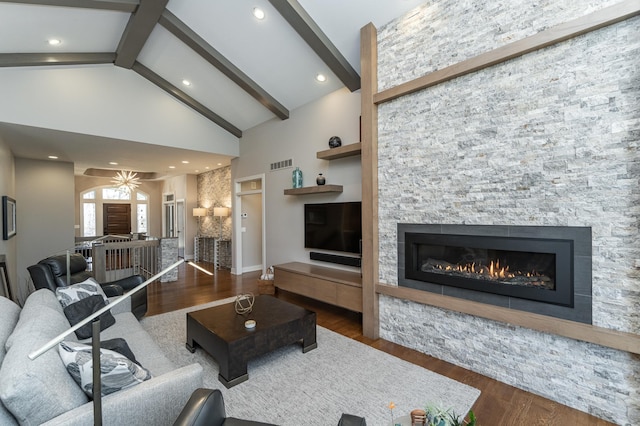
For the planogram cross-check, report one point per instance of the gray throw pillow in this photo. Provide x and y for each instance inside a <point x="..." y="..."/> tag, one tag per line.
<point x="81" y="309"/>
<point x="117" y="371"/>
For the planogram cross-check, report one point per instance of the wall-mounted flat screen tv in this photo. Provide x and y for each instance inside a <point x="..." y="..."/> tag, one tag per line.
<point x="333" y="226"/>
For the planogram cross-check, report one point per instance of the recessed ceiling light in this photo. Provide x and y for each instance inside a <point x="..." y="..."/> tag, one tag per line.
<point x="219" y="164"/>
<point x="186" y="82"/>
<point x="172" y="167"/>
<point x="321" y="78"/>
<point x="53" y="157"/>
<point x="207" y="167"/>
<point x="54" y="41"/>
<point x="258" y="13"/>
<point x="185" y="162"/>
<point x="113" y="163"/>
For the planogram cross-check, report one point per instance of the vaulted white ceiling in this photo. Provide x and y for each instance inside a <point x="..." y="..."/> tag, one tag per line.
<point x="243" y="71"/>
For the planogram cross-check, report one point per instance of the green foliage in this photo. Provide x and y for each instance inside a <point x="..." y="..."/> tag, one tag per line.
<point x="438" y="416"/>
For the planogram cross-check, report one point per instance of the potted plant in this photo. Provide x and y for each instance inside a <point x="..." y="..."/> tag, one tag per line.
<point x="438" y="416"/>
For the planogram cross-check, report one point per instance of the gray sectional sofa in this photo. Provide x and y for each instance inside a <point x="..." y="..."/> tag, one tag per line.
<point x="43" y="392"/>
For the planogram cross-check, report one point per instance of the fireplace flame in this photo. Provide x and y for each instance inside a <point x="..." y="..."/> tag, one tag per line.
<point x="493" y="270"/>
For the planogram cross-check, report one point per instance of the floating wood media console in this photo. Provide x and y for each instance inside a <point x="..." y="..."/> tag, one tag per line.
<point x="333" y="286"/>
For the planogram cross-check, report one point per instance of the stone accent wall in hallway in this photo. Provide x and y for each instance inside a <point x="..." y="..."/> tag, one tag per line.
<point x="550" y="138"/>
<point x="214" y="190"/>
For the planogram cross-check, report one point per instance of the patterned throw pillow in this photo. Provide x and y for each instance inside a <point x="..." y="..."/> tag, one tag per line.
<point x="73" y="293"/>
<point x="117" y="371"/>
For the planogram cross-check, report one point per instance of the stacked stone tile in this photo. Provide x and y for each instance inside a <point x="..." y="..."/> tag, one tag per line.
<point x="550" y="138"/>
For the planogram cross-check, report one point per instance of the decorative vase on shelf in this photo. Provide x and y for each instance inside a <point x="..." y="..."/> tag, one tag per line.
<point x="320" y="180"/>
<point x="335" y="141"/>
<point x="297" y="178"/>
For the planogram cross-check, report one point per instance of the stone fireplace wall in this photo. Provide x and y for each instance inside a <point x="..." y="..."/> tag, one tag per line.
<point x="550" y="138"/>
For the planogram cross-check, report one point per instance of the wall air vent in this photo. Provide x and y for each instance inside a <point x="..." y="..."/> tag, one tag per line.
<point x="284" y="164"/>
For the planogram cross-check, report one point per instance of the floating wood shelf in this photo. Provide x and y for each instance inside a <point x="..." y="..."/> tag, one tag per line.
<point x="313" y="190"/>
<point x="340" y="152"/>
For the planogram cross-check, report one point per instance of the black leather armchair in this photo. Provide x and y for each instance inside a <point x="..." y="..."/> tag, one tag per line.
<point x="351" y="420"/>
<point x="206" y="408"/>
<point x="51" y="273"/>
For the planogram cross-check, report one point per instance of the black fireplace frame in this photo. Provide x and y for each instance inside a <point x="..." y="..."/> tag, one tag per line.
<point x="562" y="250"/>
<point x="581" y="311"/>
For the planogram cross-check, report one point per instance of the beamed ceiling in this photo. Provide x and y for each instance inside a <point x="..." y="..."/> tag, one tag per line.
<point x="243" y="71"/>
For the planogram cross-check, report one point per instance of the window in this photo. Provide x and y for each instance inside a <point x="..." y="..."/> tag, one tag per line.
<point x="89" y="219"/>
<point x="141" y="214"/>
<point x="92" y="201"/>
<point x="115" y="194"/>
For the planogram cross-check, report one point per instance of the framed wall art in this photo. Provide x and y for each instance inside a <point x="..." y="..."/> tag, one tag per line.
<point x="8" y="217"/>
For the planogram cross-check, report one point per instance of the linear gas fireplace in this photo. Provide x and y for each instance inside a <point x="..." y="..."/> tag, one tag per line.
<point x="538" y="269"/>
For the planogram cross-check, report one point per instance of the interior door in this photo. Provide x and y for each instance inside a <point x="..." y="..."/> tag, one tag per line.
<point x="249" y="225"/>
<point x="116" y="219"/>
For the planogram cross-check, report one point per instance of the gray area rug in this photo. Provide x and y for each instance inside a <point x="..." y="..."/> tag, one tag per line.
<point x="341" y="375"/>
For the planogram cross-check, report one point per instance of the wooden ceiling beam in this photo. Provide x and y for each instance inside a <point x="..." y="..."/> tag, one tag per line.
<point x="199" y="45"/>
<point x="42" y="59"/>
<point x="186" y="99"/>
<point x="115" y="5"/>
<point x="138" y="30"/>
<point x="311" y="33"/>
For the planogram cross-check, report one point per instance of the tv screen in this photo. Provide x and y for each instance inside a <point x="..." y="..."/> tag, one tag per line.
<point x="333" y="226"/>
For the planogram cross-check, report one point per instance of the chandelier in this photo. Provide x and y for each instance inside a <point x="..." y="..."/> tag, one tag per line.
<point x="126" y="180"/>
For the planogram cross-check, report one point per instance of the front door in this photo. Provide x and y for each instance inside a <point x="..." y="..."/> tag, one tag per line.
<point x="116" y="219"/>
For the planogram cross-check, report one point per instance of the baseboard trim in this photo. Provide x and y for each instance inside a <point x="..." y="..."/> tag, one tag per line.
<point x="252" y="268"/>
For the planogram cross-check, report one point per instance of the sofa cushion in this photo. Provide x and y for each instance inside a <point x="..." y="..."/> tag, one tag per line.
<point x="117" y="371"/>
<point x="41" y="304"/>
<point x="42" y="297"/>
<point x="78" y="311"/>
<point x="76" y="292"/>
<point x="148" y="353"/>
<point x="9" y="315"/>
<point x="35" y="391"/>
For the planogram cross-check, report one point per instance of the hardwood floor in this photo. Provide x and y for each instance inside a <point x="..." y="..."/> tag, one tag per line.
<point x="498" y="404"/>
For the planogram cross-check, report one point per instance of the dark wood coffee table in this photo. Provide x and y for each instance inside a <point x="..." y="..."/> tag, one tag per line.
<point x="221" y="332"/>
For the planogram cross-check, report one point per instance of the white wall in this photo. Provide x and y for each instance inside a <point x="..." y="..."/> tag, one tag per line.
<point x="45" y="212"/>
<point x="306" y="131"/>
<point x="7" y="187"/>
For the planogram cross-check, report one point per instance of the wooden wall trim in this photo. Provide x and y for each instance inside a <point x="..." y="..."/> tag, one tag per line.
<point x="596" y="20"/>
<point x="369" y="162"/>
<point x="619" y="340"/>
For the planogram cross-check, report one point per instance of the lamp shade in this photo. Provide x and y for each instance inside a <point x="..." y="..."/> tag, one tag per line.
<point x="199" y="211"/>
<point x="220" y="211"/>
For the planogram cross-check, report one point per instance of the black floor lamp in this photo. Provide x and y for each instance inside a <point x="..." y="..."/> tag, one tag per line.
<point x="95" y="340"/>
